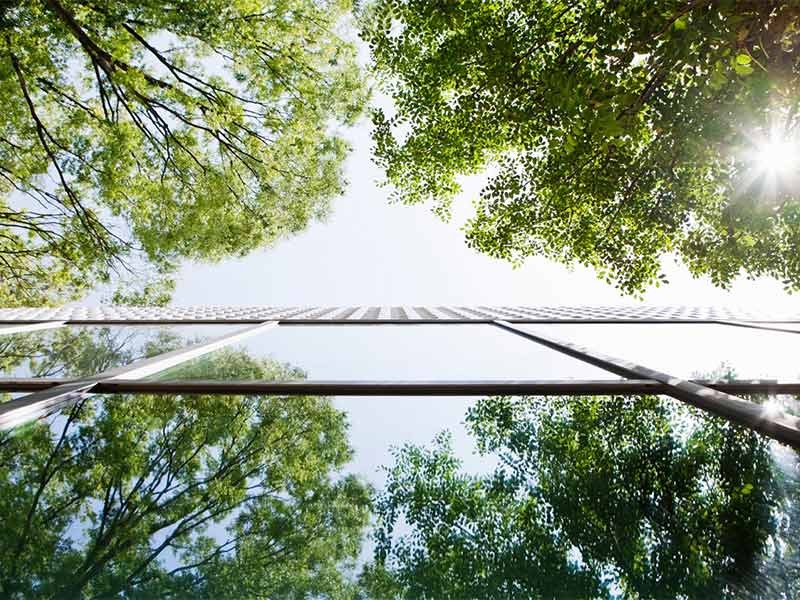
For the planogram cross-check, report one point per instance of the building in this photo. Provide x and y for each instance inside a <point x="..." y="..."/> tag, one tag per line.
<point x="578" y="350"/>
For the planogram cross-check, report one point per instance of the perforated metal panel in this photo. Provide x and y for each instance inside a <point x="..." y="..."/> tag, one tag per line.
<point x="81" y="314"/>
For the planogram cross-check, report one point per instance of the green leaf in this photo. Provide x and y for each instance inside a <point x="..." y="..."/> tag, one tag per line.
<point x="595" y="477"/>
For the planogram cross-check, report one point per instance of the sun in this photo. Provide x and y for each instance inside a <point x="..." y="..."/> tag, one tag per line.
<point x="770" y="162"/>
<point x="777" y="156"/>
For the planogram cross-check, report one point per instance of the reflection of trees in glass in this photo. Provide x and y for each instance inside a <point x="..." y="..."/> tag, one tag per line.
<point x="191" y="496"/>
<point x="593" y="496"/>
<point x="244" y="369"/>
<point x="82" y="351"/>
<point x="139" y="133"/>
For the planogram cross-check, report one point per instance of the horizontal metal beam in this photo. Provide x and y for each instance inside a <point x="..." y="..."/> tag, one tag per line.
<point x="771" y="422"/>
<point x="44" y="402"/>
<point x="377" y="388"/>
<point x="31" y="384"/>
<point x="512" y="387"/>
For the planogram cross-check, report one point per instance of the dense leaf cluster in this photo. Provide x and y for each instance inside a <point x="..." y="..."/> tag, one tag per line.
<point x="592" y="498"/>
<point x="620" y="132"/>
<point x="135" y="134"/>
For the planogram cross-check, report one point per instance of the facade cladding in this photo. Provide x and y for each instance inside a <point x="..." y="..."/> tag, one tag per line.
<point x="587" y="335"/>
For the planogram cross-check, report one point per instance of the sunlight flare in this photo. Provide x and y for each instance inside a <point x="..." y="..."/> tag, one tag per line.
<point x="771" y="161"/>
<point x="777" y="156"/>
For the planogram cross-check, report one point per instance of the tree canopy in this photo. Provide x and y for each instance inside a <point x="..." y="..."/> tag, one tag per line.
<point x="135" y="134"/>
<point x="618" y="133"/>
<point x="592" y="497"/>
<point x="145" y="496"/>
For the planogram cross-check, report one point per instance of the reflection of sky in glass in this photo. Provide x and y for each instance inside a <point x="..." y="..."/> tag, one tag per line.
<point x="689" y="350"/>
<point x="792" y="326"/>
<point x="784" y="467"/>
<point x="415" y="352"/>
<point x="90" y="349"/>
<point x="453" y="352"/>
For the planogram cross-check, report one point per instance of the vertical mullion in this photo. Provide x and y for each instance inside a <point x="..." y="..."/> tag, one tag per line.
<point x="39" y="404"/>
<point x="773" y="423"/>
<point x="757" y="326"/>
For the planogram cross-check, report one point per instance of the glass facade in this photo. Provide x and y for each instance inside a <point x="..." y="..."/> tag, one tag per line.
<point x="86" y="350"/>
<point x="400" y="352"/>
<point x="692" y="351"/>
<point x="233" y="459"/>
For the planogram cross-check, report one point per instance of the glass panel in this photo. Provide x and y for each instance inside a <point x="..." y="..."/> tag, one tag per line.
<point x="83" y="350"/>
<point x="792" y="326"/>
<point x="785" y="403"/>
<point x="260" y="495"/>
<point x="668" y="502"/>
<point x="216" y="497"/>
<point x="691" y="351"/>
<point x="393" y="352"/>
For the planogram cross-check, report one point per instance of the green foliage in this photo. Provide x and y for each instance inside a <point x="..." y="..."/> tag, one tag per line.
<point x="135" y="134"/>
<point x="593" y="497"/>
<point x="157" y="292"/>
<point x="185" y="496"/>
<point x="81" y="351"/>
<point x="471" y="537"/>
<point x="620" y="131"/>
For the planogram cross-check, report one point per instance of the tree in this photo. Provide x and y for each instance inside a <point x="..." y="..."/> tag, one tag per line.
<point x="80" y="351"/>
<point x="144" y="496"/>
<point x="470" y="537"/>
<point x="620" y="132"/>
<point x="639" y="496"/>
<point x="135" y="134"/>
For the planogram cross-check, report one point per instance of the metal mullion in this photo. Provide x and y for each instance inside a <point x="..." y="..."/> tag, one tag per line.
<point x="382" y="388"/>
<point x="773" y="423"/>
<point x="30" y="384"/>
<point x="402" y="388"/>
<point x="24" y="328"/>
<point x="757" y="326"/>
<point x="42" y="403"/>
<point x="287" y="316"/>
